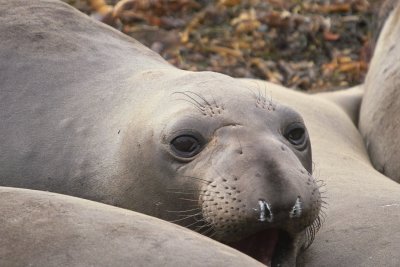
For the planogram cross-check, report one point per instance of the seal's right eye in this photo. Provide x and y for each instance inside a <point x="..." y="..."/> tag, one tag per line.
<point x="186" y="146"/>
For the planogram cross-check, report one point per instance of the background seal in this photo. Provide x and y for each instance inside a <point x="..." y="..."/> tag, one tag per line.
<point x="380" y="108"/>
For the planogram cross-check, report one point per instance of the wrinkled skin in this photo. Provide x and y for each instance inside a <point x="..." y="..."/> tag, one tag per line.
<point x="94" y="114"/>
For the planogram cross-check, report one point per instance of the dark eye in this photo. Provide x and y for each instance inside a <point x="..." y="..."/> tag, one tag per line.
<point x="186" y="146"/>
<point x="296" y="134"/>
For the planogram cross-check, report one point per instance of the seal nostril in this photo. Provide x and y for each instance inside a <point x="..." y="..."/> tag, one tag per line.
<point x="296" y="209"/>
<point x="265" y="211"/>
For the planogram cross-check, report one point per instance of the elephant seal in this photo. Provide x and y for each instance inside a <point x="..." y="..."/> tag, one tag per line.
<point x="89" y="112"/>
<point x="47" y="229"/>
<point x="379" y="119"/>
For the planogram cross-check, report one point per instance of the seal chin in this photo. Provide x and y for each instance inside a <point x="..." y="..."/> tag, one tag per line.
<point x="272" y="247"/>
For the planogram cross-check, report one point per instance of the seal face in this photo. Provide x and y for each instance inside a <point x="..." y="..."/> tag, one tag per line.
<point x="236" y="164"/>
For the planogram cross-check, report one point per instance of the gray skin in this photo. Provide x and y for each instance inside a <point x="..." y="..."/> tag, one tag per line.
<point x="47" y="229"/>
<point x="380" y="109"/>
<point x="362" y="218"/>
<point x="361" y="227"/>
<point x="89" y="112"/>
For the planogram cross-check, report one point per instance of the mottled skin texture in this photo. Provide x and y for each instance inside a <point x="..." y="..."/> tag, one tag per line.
<point x="89" y="112"/>
<point x="47" y="229"/>
<point x="380" y="109"/>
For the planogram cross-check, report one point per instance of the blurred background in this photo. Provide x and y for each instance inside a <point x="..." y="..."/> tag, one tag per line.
<point x="309" y="45"/>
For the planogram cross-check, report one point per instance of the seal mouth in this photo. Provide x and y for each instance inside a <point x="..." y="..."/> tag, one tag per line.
<point x="268" y="246"/>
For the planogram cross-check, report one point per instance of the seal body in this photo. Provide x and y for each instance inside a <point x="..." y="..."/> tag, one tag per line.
<point x="47" y="229"/>
<point x="89" y="112"/>
<point x="379" y="119"/>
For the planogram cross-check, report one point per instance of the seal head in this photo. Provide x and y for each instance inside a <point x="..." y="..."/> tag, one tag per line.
<point x="231" y="163"/>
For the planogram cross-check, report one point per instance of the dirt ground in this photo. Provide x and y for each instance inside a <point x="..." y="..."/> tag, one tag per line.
<point x="310" y="45"/>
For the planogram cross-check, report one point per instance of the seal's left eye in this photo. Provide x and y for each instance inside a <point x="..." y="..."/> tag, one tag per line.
<point x="186" y="146"/>
<point x="296" y="134"/>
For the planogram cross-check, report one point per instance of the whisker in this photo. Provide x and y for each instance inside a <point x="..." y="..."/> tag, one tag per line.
<point x="182" y="193"/>
<point x="200" y="108"/>
<point x="189" y="96"/>
<point x="219" y="174"/>
<point x="313" y="167"/>
<point x="207" y="231"/>
<point x="199" y="96"/>
<point x="271" y="102"/>
<point x="312" y="230"/>
<point x="192" y="224"/>
<point x="215" y="102"/>
<point x="187" y="193"/>
<point x="196" y="178"/>
<point x="252" y="92"/>
<point x="190" y="190"/>
<point x="197" y="192"/>
<point x="265" y="93"/>
<point x="186" y="217"/>
<point x="259" y="93"/>
<point x="198" y="228"/>
<point x="186" y="199"/>
<point x="240" y="144"/>
<point x="183" y="211"/>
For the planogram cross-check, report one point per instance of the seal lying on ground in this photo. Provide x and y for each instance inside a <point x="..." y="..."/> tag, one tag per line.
<point x="89" y="112"/>
<point x="47" y="229"/>
<point x="380" y="109"/>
